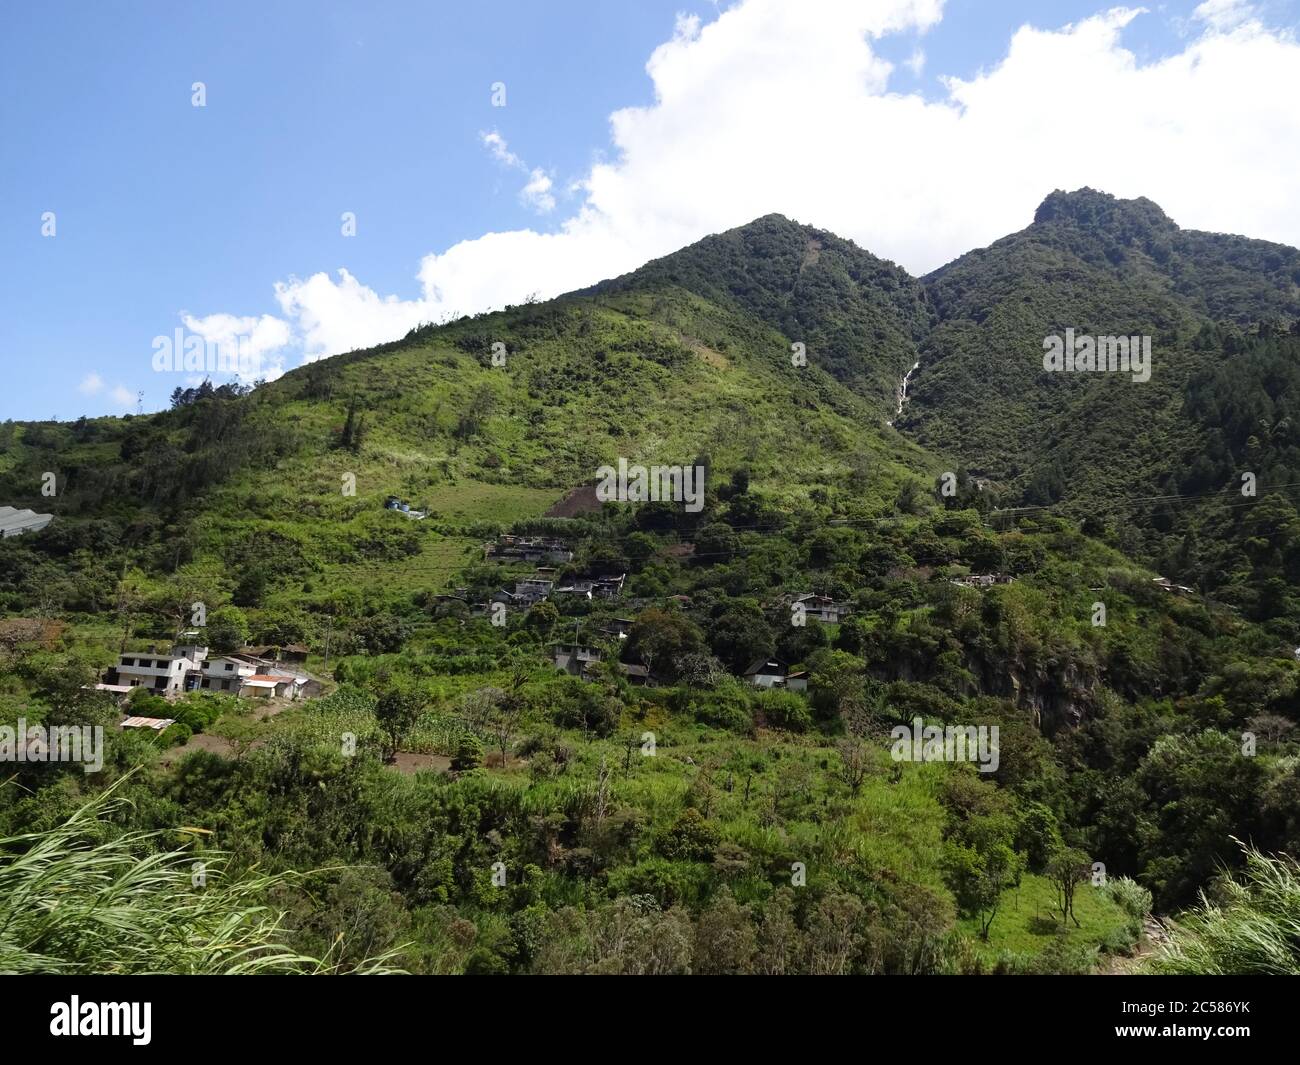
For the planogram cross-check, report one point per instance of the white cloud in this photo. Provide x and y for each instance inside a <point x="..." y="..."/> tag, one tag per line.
<point x="537" y="192"/>
<point x="779" y="107"/>
<point x="336" y="316"/>
<point x="916" y="62"/>
<point x="91" y="384"/>
<point x="501" y="152"/>
<point x="257" y="342"/>
<point x="1225" y="15"/>
<point x="123" y="397"/>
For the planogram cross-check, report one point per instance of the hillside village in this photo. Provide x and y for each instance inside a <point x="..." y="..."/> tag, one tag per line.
<point x="583" y="659"/>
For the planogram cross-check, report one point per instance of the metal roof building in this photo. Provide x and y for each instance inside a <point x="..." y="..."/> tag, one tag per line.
<point x="16" y="522"/>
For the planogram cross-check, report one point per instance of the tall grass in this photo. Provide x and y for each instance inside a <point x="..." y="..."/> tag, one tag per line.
<point x="82" y="898"/>
<point x="1245" y="925"/>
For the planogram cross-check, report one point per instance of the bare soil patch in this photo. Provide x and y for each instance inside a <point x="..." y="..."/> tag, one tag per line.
<point x="204" y="741"/>
<point x="408" y="763"/>
<point x="580" y="500"/>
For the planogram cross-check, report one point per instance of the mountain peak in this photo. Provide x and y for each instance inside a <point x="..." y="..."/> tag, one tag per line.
<point x="1093" y="209"/>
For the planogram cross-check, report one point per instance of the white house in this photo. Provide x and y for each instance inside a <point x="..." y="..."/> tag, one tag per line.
<point x="265" y="685"/>
<point x="164" y="674"/>
<point x="766" y="673"/>
<point x="608" y="587"/>
<point x="226" y="673"/>
<point x="983" y="580"/>
<point x="772" y="673"/>
<point x="619" y="627"/>
<point x="157" y="724"/>
<point x="188" y="668"/>
<point x="529" y="549"/>
<point x="582" y="589"/>
<point x="822" y="608"/>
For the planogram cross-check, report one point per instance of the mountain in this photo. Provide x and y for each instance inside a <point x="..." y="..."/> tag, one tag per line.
<point x="1102" y="446"/>
<point x="983" y="564"/>
<point x="684" y="360"/>
<point x="860" y="318"/>
<point x="1103" y="267"/>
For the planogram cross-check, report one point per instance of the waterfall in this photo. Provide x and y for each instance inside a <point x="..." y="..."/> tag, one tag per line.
<point x="902" y="390"/>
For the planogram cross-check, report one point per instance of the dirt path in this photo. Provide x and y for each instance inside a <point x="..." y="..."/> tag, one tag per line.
<point x="408" y="763"/>
<point x="1154" y="936"/>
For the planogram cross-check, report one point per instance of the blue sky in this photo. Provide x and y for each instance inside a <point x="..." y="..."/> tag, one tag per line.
<point x="313" y="109"/>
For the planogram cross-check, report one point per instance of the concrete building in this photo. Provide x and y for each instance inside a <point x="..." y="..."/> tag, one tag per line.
<point x="164" y="674"/>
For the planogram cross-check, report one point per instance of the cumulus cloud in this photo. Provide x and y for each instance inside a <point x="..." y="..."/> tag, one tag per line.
<point x="773" y="106"/>
<point x="1224" y="15"/>
<point x="537" y="192"/>
<point x="91" y="384"/>
<point x="335" y="316"/>
<point x="257" y="342"/>
<point x="122" y="396"/>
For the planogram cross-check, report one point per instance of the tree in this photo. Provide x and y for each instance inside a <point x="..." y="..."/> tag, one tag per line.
<point x="227" y="629"/>
<point x="1273" y="728"/>
<point x="716" y="542"/>
<point x="641" y="548"/>
<point x="978" y="877"/>
<point x="691" y="838"/>
<point x="663" y="636"/>
<point x="725" y="939"/>
<point x="855" y="763"/>
<point x="701" y="670"/>
<point x="251" y="587"/>
<point x="128" y="603"/>
<point x="740" y="634"/>
<point x="178" y="602"/>
<point x="383" y="633"/>
<point x="397" y="712"/>
<point x="779" y="939"/>
<point x="504" y="717"/>
<point x="834" y="934"/>
<point x="469" y="753"/>
<point x="1067" y="868"/>
<point x="353" y="428"/>
<point x="542" y="617"/>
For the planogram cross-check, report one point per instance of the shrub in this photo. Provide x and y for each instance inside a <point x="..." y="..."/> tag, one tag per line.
<point x="1241" y="926"/>
<point x="469" y="753"/>
<point x="785" y="710"/>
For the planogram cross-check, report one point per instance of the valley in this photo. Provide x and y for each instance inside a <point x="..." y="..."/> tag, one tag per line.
<point x="657" y="734"/>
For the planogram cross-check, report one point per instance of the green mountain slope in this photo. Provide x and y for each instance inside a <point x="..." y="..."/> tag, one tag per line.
<point x="653" y="374"/>
<point x="859" y="317"/>
<point x="764" y="831"/>
<point x="1102" y="267"/>
<point x="1123" y="454"/>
